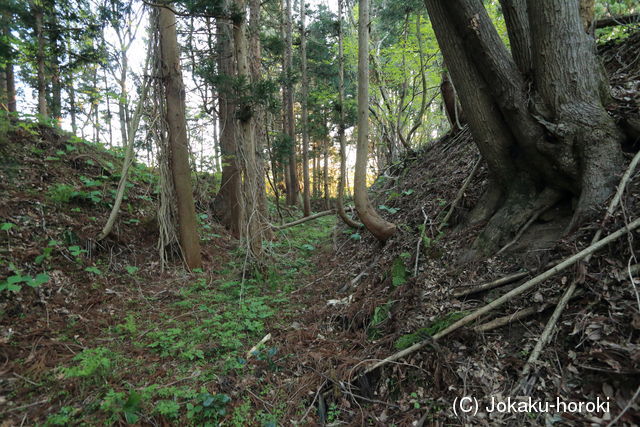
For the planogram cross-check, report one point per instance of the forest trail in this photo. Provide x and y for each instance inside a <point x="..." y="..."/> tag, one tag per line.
<point x="108" y="337"/>
<point x="109" y="328"/>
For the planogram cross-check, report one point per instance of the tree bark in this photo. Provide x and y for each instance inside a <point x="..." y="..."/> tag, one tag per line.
<point x="537" y="145"/>
<point x="341" y="128"/>
<point x="380" y="228"/>
<point x="246" y="139"/>
<point x="40" y="59"/>
<point x="259" y="114"/>
<point x="289" y="121"/>
<point x="306" y="203"/>
<point x="227" y="204"/>
<point x="177" y="136"/>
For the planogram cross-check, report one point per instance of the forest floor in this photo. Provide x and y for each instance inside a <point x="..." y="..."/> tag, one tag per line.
<point x="100" y="333"/>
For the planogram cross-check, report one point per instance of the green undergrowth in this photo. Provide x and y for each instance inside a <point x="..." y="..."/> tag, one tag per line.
<point x="172" y="365"/>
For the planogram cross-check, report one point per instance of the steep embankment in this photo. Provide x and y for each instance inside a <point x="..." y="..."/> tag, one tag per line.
<point x="377" y="300"/>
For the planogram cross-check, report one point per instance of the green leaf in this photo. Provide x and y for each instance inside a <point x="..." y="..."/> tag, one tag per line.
<point x="94" y="270"/>
<point x="131" y="269"/>
<point x="6" y="226"/>
<point x="398" y="272"/>
<point x="38" y="280"/>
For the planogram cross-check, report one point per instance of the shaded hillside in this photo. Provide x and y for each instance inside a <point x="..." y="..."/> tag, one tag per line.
<point x="381" y="299"/>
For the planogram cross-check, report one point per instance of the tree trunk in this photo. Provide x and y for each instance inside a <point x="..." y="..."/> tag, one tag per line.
<point x="40" y="58"/>
<point x="259" y="117"/>
<point x="306" y="203"/>
<point x="177" y="136"/>
<point x="341" y="129"/>
<point x="325" y="174"/>
<point x="380" y="228"/>
<point x="536" y="151"/>
<point x="246" y="140"/>
<point x="11" y="88"/>
<point x="451" y="105"/>
<point x="227" y="204"/>
<point x="289" y="121"/>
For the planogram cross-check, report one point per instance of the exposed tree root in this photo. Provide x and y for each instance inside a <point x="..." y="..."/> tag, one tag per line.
<point x="522" y="204"/>
<point x="547" y="203"/>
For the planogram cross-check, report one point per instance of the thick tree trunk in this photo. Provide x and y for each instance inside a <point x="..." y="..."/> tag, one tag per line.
<point x="306" y="203"/>
<point x="534" y="156"/>
<point x="227" y="204"/>
<point x="259" y="114"/>
<point x="570" y="85"/>
<point x="246" y="140"/>
<point x="341" y="128"/>
<point x="380" y="228"/>
<point x="177" y="136"/>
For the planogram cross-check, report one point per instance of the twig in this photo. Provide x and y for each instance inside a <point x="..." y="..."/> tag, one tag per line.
<point x="359" y="277"/>
<point x="493" y="284"/>
<point x="315" y="397"/>
<point x="549" y="198"/>
<point x="510" y="295"/>
<point x="300" y="221"/>
<point x="626" y="408"/>
<point x="460" y="194"/>
<point x="521" y="314"/>
<point x="255" y="347"/>
<point x="17" y="408"/>
<point x="424" y="228"/>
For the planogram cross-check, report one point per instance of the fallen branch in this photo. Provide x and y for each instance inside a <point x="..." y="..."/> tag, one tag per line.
<point x="460" y="194"/>
<point x="494" y="284"/>
<point x="491" y="285"/>
<point x="546" y="334"/>
<point x="300" y="221"/>
<point x="255" y="347"/>
<point x="419" y="243"/>
<point x="617" y="20"/>
<point x="518" y="315"/>
<point x="511" y="294"/>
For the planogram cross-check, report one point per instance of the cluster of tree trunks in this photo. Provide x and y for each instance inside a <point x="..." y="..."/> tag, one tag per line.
<point x="537" y="113"/>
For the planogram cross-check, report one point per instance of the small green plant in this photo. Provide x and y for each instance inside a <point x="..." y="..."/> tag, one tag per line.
<point x="398" y="272"/>
<point x="168" y="408"/>
<point x="94" y="270"/>
<point x="333" y="413"/>
<point x="14" y="283"/>
<point x="63" y="417"/>
<point x="380" y="315"/>
<point x="388" y="209"/>
<point x="91" y="363"/>
<point x="421" y="334"/>
<point x="129" y="326"/>
<point x="119" y="403"/>
<point x="208" y="407"/>
<point x="131" y="269"/>
<point x="6" y="226"/>
<point x="76" y="252"/>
